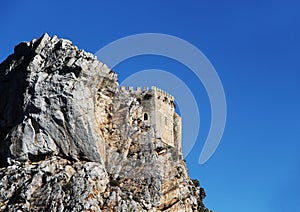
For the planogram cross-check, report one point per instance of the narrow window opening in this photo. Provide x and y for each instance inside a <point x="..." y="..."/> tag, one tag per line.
<point x="146" y="117"/>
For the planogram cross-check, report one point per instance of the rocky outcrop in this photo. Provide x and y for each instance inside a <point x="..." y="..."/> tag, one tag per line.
<point x="70" y="140"/>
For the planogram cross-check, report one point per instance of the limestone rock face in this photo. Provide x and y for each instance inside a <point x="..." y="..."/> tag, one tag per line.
<point x="70" y="140"/>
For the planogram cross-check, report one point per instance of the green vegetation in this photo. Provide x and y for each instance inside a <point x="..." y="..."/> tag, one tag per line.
<point x="196" y="182"/>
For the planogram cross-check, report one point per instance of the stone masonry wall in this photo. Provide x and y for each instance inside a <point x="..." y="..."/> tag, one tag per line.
<point x="160" y="113"/>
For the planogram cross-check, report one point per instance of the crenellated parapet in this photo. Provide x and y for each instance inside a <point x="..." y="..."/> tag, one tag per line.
<point x="162" y="93"/>
<point x="163" y="96"/>
<point x="132" y="89"/>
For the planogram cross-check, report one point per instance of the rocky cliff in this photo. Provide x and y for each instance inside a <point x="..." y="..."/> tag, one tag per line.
<point x="70" y="140"/>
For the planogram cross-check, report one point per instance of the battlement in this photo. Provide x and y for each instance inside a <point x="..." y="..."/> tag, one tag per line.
<point x="159" y="92"/>
<point x="162" y="93"/>
<point x="131" y="89"/>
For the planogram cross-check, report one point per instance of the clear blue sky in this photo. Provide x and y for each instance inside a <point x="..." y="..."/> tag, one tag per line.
<point x="254" y="47"/>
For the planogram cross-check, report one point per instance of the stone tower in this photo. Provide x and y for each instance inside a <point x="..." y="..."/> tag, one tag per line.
<point x="159" y="113"/>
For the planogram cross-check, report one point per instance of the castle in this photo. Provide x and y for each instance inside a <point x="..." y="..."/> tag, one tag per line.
<point x="159" y="113"/>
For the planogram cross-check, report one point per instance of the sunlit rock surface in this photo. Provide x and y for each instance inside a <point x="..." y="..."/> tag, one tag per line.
<point x="71" y="140"/>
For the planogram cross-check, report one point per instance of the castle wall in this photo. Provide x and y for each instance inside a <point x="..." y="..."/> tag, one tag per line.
<point x="147" y="100"/>
<point x="177" y="132"/>
<point x="148" y="103"/>
<point x="159" y="113"/>
<point x="164" y="109"/>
